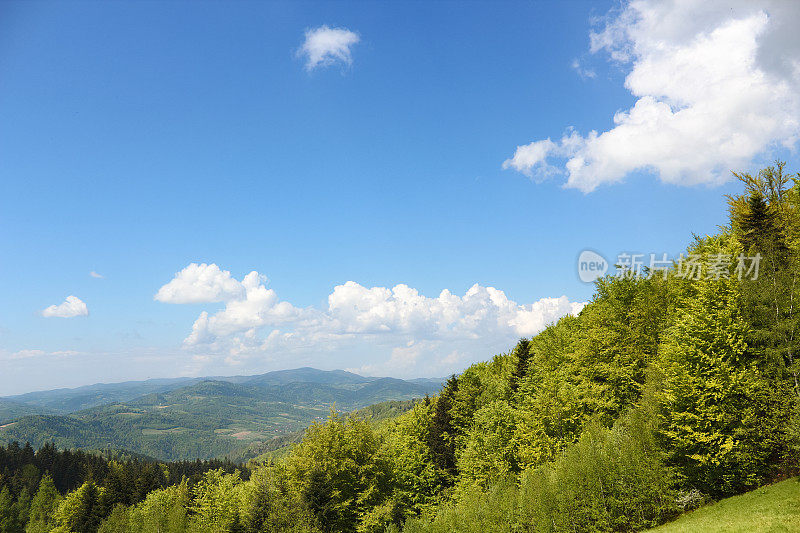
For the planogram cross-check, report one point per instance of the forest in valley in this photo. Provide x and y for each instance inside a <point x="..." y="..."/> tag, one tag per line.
<point x="669" y="390"/>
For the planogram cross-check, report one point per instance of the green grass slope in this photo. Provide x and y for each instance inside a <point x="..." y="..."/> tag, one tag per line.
<point x="772" y="508"/>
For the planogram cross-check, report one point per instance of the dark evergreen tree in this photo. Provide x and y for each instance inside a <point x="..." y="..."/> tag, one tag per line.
<point x="441" y="433"/>
<point x="522" y="353"/>
<point x="766" y="221"/>
<point x="22" y="508"/>
<point x="761" y="230"/>
<point x="7" y="516"/>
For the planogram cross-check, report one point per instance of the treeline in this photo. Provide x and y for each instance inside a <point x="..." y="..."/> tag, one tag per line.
<point x="33" y="483"/>
<point x="668" y="390"/>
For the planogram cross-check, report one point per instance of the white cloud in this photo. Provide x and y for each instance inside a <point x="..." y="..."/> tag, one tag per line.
<point x="326" y="46"/>
<point x="583" y="72"/>
<point x="95" y="275"/>
<point x="257" y="308"/>
<point x="397" y="323"/>
<point x="481" y="311"/>
<point x="200" y="284"/>
<point x="532" y="157"/>
<point x="717" y="84"/>
<point x="28" y="354"/>
<point x="72" y="307"/>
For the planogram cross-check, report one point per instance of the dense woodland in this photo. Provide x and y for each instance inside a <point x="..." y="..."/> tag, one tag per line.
<point x="665" y="392"/>
<point x="34" y="483"/>
<point x="204" y="418"/>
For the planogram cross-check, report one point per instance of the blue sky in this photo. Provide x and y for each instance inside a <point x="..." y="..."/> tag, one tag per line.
<point x="137" y="139"/>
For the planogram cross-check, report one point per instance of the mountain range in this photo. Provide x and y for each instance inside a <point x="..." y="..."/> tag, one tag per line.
<point x="188" y="418"/>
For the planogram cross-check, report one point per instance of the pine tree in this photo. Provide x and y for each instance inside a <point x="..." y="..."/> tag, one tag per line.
<point x="441" y="433"/>
<point x="22" y="509"/>
<point x="7" y="515"/>
<point x="761" y="229"/>
<point x="766" y="221"/>
<point x="43" y="506"/>
<point x="522" y="353"/>
<point x="78" y="511"/>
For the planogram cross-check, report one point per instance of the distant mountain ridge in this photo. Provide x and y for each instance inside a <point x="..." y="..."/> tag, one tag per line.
<point x="304" y="374"/>
<point x="68" y="400"/>
<point x="186" y="418"/>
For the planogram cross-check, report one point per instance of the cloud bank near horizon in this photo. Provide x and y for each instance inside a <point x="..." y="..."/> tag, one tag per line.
<point x="401" y="330"/>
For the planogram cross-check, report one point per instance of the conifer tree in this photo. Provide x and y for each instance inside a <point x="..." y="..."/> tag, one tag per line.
<point x="43" y="506"/>
<point x="766" y="221"/>
<point x="78" y="512"/>
<point x="441" y="433"/>
<point x="22" y="509"/>
<point x="522" y="353"/>
<point x="7" y="515"/>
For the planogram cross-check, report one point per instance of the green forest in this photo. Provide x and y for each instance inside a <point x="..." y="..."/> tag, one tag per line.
<point x="670" y="390"/>
<point x="239" y="417"/>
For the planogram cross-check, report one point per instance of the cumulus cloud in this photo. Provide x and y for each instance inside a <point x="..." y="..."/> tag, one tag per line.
<point x="398" y="323"/>
<point x="717" y="84"/>
<point x="200" y="284"/>
<point x="258" y="307"/>
<point x="326" y="46"/>
<point x="71" y="307"/>
<point x="481" y="311"/>
<point x="95" y="275"/>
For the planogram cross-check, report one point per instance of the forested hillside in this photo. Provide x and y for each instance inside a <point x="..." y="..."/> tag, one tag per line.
<point x="237" y="417"/>
<point x="669" y="390"/>
<point x="11" y="410"/>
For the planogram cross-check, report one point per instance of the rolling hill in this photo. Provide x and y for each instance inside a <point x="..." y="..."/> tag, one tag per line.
<point x="11" y="410"/>
<point x="203" y="418"/>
